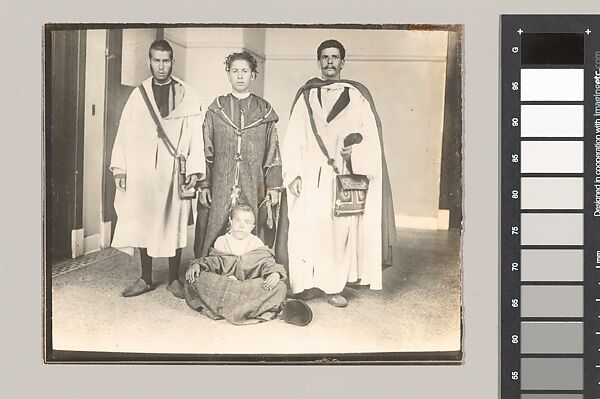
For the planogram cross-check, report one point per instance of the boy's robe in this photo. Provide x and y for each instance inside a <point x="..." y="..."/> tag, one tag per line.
<point x="240" y="301"/>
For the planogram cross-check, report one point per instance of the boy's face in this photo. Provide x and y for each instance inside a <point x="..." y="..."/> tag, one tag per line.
<point x="242" y="223"/>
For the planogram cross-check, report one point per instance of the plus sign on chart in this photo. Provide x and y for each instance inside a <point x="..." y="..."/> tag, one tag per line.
<point x="520" y="31"/>
<point x="588" y="31"/>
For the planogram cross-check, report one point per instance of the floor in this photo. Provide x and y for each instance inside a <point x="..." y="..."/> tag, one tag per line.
<point x="418" y="310"/>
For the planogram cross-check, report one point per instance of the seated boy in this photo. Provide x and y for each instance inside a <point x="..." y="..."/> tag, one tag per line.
<point x="239" y="279"/>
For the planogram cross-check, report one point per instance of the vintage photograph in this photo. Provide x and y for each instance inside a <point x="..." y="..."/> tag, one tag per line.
<point x="253" y="193"/>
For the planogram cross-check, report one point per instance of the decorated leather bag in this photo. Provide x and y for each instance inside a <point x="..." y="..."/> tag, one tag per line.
<point x="350" y="194"/>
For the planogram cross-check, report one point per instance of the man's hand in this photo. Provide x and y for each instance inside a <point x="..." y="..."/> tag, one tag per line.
<point x="274" y="195"/>
<point x="192" y="272"/>
<point x="190" y="182"/>
<point x="296" y="186"/>
<point x="346" y="152"/>
<point x="121" y="182"/>
<point x="205" y="197"/>
<point x="271" y="281"/>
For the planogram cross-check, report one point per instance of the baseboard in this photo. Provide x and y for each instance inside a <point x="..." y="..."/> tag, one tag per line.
<point x="91" y="244"/>
<point x="441" y="222"/>
<point x="443" y="219"/>
<point x="105" y="234"/>
<point x="77" y="243"/>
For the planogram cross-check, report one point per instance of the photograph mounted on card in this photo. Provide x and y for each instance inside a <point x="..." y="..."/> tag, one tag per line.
<point x="210" y="187"/>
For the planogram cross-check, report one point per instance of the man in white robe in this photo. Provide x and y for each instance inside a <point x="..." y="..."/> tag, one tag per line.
<point x="325" y="251"/>
<point x="151" y="215"/>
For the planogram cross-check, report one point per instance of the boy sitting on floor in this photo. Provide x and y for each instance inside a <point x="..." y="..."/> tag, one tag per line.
<point x="239" y="279"/>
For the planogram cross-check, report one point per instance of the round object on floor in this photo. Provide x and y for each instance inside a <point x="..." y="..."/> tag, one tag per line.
<point x="296" y="312"/>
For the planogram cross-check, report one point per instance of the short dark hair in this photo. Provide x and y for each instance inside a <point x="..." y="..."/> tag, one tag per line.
<point x="331" y="43"/>
<point x="241" y="208"/>
<point x="160" y="45"/>
<point x="244" y="55"/>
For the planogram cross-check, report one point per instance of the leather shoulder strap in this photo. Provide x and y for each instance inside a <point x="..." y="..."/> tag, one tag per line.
<point x="170" y="147"/>
<point x="330" y="161"/>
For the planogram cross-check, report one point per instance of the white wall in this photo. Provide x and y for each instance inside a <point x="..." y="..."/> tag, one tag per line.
<point x="200" y="54"/>
<point x="135" y="55"/>
<point x="404" y="70"/>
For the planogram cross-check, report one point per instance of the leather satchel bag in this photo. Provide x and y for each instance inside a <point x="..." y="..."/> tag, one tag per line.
<point x="350" y="195"/>
<point x="180" y="169"/>
<point x="180" y="159"/>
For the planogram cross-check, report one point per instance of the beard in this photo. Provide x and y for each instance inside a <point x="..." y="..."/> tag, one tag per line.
<point x="161" y="77"/>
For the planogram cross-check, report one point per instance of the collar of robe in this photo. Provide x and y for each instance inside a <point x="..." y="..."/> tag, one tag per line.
<point x="186" y="103"/>
<point x="340" y="104"/>
<point x="259" y="111"/>
<point x="241" y="96"/>
<point x="317" y="82"/>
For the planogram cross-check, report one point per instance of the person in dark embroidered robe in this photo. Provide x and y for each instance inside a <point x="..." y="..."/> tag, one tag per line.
<point x="243" y="164"/>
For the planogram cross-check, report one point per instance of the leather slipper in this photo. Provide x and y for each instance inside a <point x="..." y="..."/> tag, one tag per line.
<point x="337" y="300"/>
<point x="138" y="288"/>
<point x="176" y="288"/>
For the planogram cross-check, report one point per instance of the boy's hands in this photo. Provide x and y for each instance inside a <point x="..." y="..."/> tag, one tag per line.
<point x="271" y="281"/>
<point x="192" y="272"/>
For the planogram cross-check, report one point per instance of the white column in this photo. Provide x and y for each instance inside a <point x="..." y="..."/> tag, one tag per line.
<point x="93" y="151"/>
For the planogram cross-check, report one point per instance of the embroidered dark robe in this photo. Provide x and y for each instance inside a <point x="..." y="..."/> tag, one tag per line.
<point x="259" y="165"/>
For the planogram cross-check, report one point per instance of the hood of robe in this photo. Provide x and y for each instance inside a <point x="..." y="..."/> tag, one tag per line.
<point x="189" y="106"/>
<point x="260" y="111"/>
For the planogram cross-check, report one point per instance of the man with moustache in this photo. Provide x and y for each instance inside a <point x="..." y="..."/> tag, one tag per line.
<point x="151" y="215"/>
<point x="327" y="251"/>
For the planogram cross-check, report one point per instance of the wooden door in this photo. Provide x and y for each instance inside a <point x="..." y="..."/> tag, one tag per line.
<point x="64" y="110"/>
